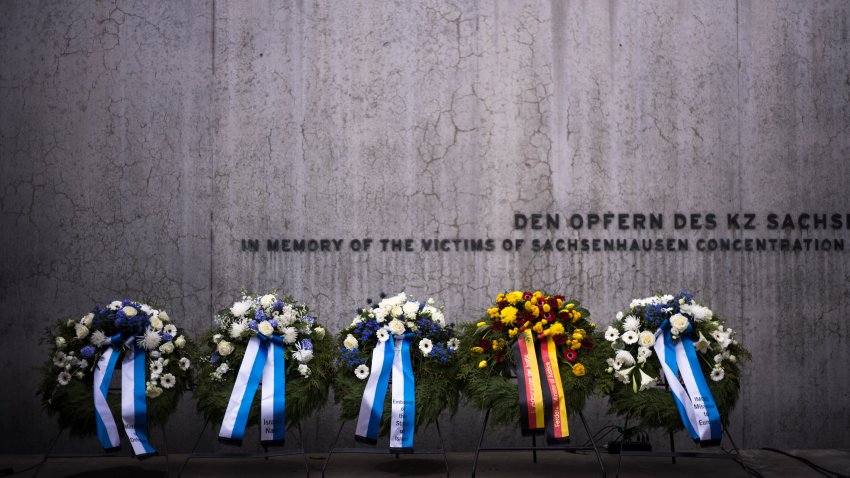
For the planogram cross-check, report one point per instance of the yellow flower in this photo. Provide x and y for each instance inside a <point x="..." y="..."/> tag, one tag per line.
<point x="508" y="315"/>
<point x="514" y="297"/>
<point x="570" y="306"/>
<point x="495" y="345"/>
<point x="481" y="324"/>
<point x="556" y="329"/>
<point x="577" y="336"/>
<point x="483" y="364"/>
<point x="528" y="306"/>
<point x="546" y="308"/>
<point x="576" y="345"/>
<point x="538" y="327"/>
<point x="580" y="331"/>
<point x="500" y="297"/>
<point x="578" y="370"/>
<point x="576" y="314"/>
<point x="544" y="322"/>
<point x="560" y="302"/>
<point x="537" y="294"/>
<point x="535" y="310"/>
<point x="512" y="333"/>
<point x="477" y="350"/>
<point x="493" y="312"/>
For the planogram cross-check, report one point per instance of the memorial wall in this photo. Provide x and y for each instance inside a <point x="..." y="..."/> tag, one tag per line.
<point x="179" y="152"/>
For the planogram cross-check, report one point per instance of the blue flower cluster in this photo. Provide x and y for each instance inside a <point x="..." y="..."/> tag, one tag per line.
<point x="104" y="317"/>
<point x="350" y="358"/>
<point x="654" y="315"/>
<point x="440" y="352"/>
<point x="366" y="329"/>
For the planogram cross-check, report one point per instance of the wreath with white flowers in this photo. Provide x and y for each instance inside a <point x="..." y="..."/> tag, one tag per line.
<point x="308" y="348"/>
<point x="433" y="356"/>
<point x="633" y="369"/>
<point x="488" y="363"/>
<point x="66" y="388"/>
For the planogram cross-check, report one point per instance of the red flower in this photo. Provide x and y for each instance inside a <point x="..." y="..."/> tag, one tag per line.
<point x="570" y="355"/>
<point x="559" y="339"/>
<point x="502" y="304"/>
<point x="526" y="296"/>
<point x="498" y="326"/>
<point x="548" y="316"/>
<point x="485" y="344"/>
<point x="587" y="343"/>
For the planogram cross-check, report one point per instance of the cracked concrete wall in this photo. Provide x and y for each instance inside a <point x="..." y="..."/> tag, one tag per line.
<point x="142" y="142"/>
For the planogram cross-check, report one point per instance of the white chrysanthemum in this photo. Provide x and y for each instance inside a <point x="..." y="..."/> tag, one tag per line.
<point x="60" y="343"/>
<point x="87" y="319"/>
<point x="350" y="342"/>
<point x="166" y="348"/>
<point x="679" y="323"/>
<point x="156" y="367"/>
<point x="147" y="309"/>
<point x="631" y="323"/>
<point x="361" y="372"/>
<point x="453" y="343"/>
<point x="643" y="353"/>
<point x="185" y="363"/>
<point x="150" y="340"/>
<point x="717" y="374"/>
<point x="410" y="309"/>
<point x="98" y="338"/>
<point x="425" y="346"/>
<point x="646" y="339"/>
<point x="287" y="316"/>
<point x="319" y="332"/>
<point x="382" y="335"/>
<point x="396" y="327"/>
<point x="646" y="381"/>
<point x="304" y="370"/>
<point x="64" y="378"/>
<point x="302" y="355"/>
<point x="238" y="328"/>
<point x="625" y="357"/>
<point x="666" y="299"/>
<point x="265" y="327"/>
<point x="222" y="369"/>
<point x="241" y="308"/>
<point x="612" y="334"/>
<point x="290" y="335"/>
<point x="170" y="329"/>
<point x="630" y="337"/>
<point x="168" y="380"/>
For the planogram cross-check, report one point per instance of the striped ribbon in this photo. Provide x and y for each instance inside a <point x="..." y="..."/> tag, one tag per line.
<point x="264" y="362"/>
<point x="133" y="399"/>
<point x="541" y="394"/>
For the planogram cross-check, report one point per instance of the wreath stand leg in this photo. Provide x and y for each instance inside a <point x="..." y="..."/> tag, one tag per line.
<point x="381" y="451"/>
<point x="534" y="448"/>
<point x="732" y="454"/>
<point x="50" y="455"/>
<point x="265" y="455"/>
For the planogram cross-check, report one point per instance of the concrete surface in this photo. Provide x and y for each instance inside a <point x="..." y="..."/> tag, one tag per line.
<point x="141" y="142"/>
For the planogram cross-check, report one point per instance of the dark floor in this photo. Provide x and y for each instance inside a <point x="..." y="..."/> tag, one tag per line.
<point x="500" y="464"/>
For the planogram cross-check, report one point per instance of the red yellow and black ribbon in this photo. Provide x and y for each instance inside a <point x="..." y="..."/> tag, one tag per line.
<point x="541" y="393"/>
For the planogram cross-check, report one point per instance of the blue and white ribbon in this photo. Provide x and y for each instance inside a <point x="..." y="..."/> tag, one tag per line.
<point x="694" y="400"/>
<point x="390" y="356"/>
<point x="264" y="362"/>
<point x="133" y="399"/>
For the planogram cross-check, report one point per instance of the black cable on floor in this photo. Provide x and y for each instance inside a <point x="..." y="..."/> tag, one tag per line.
<point x="823" y="471"/>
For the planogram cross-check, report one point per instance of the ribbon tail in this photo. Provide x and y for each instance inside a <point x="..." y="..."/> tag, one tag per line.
<point x="372" y="403"/>
<point x="557" y="429"/>
<point x="247" y="380"/>
<point x="403" y="398"/>
<point x="273" y="403"/>
<point x="107" y="430"/>
<point x="666" y="352"/>
<point x="709" y="426"/>
<point x="134" y="409"/>
<point x="529" y="388"/>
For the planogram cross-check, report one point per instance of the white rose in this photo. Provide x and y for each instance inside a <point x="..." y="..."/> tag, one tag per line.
<point x="81" y="330"/>
<point x="268" y="300"/>
<point x="180" y="342"/>
<point x="163" y="316"/>
<point x="439" y="318"/>
<point x="225" y="348"/>
<point x="265" y="328"/>
<point x="130" y="311"/>
<point x="356" y="320"/>
<point x="217" y="338"/>
<point x="166" y="348"/>
<point x="679" y="322"/>
<point x="396" y="327"/>
<point x="60" y="343"/>
<point x="410" y="309"/>
<point x="156" y="323"/>
<point x="396" y="311"/>
<point x="319" y="332"/>
<point x="381" y="314"/>
<point x="87" y="320"/>
<point x="350" y="342"/>
<point x="646" y="339"/>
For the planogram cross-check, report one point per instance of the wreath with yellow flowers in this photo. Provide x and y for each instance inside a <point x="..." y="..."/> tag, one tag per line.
<point x="488" y="364"/>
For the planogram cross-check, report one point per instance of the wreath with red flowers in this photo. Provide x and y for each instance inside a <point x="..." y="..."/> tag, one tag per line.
<point x="488" y="365"/>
